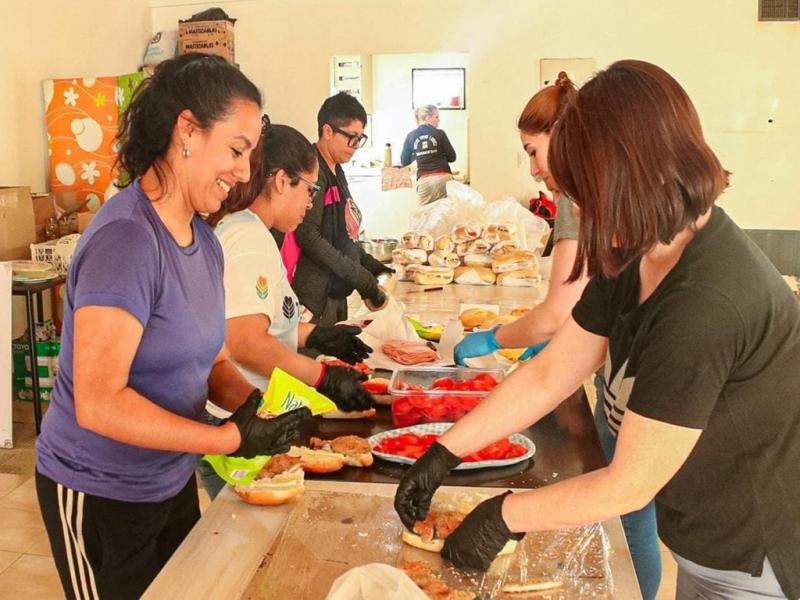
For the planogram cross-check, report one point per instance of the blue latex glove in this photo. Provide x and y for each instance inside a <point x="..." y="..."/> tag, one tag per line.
<point x="479" y="343"/>
<point x="533" y="350"/>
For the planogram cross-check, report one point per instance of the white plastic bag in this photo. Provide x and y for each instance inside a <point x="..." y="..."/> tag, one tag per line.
<point x="530" y="227"/>
<point x="374" y="581"/>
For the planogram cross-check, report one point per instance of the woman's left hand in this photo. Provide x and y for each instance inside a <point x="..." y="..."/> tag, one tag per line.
<point x="339" y="341"/>
<point x="482" y="534"/>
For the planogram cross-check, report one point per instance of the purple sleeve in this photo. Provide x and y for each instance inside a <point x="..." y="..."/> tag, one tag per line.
<point x="118" y="267"/>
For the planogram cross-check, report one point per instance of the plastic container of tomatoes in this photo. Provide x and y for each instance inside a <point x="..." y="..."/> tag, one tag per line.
<point x="438" y="395"/>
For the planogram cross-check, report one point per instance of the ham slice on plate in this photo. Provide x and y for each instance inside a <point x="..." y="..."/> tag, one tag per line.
<point x="409" y="353"/>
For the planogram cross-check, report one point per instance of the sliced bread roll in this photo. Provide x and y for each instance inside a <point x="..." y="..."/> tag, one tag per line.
<point x="474" y="276"/>
<point x="477" y="260"/>
<point x="518" y="278"/>
<point x="520" y="259"/>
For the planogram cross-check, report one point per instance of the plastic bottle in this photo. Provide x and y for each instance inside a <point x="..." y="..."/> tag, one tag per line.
<point x="387" y="155"/>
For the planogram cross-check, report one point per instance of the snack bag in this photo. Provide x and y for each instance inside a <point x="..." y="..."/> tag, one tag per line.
<point x="283" y="394"/>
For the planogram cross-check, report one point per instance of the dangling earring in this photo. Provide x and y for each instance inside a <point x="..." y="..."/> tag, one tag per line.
<point x="186" y="153"/>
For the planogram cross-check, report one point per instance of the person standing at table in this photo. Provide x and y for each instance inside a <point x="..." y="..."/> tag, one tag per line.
<point x="143" y="340"/>
<point x="263" y="314"/>
<point x="330" y="264"/>
<point x="540" y="323"/>
<point x="703" y="340"/>
<point x="431" y="148"/>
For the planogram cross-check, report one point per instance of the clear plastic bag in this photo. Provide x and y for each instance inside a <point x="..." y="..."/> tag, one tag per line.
<point x="464" y="204"/>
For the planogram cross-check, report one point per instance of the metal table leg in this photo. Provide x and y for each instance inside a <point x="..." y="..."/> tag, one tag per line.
<point x="37" y="403"/>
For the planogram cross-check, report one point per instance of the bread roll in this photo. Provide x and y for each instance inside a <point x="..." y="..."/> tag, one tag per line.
<point x="518" y="278"/>
<point x="436" y="544"/>
<point x="465" y="232"/>
<point x="277" y="489"/>
<point x="472" y="317"/>
<point x="407" y="256"/>
<point x="368" y="413"/>
<point x="504" y="247"/>
<point x="410" y="240"/>
<point x="461" y="248"/>
<point x="521" y="259"/>
<point x="450" y="260"/>
<point x="474" y="276"/>
<point x="498" y="232"/>
<point x="443" y="244"/>
<point x="479" y="246"/>
<point x="425" y="242"/>
<point x="477" y="260"/>
<point x="427" y="275"/>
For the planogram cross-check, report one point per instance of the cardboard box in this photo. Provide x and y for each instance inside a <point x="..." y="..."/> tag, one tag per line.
<point x="17" y="223"/>
<point x="208" y="37"/>
<point x="44" y="209"/>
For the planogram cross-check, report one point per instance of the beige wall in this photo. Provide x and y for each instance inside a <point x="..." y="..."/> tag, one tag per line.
<point x="739" y="72"/>
<point x="46" y="39"/>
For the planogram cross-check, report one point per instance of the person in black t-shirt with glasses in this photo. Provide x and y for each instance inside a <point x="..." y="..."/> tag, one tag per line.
<point x="702" y="338"/>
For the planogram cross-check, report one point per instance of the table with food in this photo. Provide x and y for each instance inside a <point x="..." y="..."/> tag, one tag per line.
<point x="318" y="521"/>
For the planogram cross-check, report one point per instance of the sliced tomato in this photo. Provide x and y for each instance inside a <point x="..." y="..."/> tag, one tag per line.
<point x="409" y="386"/>
<point x="516" y="450"/>
<point x="421" y="401"/>
<point x="401" y="406"/>
<point x="436" y="411"/>
<point x="377" y="385"/>
<point x="496" y="451"/>
<point x="443" y="383"/>
<point x="485" y="377"/>
<point x="413" y="451"/>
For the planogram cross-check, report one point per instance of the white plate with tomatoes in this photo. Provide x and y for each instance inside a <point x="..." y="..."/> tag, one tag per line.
<point x="406" y="444"/>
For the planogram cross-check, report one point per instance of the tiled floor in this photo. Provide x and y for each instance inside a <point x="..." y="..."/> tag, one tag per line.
<point x="26" y="564"/>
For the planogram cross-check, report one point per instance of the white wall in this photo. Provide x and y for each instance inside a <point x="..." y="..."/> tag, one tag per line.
<point x="739" y="72"/>
<point x="393" y="117"/>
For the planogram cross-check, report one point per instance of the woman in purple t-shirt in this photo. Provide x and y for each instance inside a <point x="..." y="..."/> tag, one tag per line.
<point x="143" y="340"/>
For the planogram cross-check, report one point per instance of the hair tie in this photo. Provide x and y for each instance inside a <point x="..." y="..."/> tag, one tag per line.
<point x="266" y="125"/>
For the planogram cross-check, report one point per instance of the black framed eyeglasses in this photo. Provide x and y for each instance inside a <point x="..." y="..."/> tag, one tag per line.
<point x="313" y="188"/>
<point x="354" y="140"/>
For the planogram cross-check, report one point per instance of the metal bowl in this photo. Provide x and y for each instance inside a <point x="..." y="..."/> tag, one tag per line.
<point x="380" y="248"/>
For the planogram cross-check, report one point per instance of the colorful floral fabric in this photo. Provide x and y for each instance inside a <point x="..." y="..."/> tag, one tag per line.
<point x="82" y="119"/>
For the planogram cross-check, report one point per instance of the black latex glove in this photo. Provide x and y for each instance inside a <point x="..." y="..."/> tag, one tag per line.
<point x="339" y="341"/>
<point x="378" y="297"/>
<point x="413" y="497"/>
<point x="265" y="436"/>
<point x="483" y="533"/>
<point x="343" y="386"/>
<point x="386" y="269"/>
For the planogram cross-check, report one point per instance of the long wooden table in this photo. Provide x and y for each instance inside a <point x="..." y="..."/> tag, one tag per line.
<point x="224" y="550"/>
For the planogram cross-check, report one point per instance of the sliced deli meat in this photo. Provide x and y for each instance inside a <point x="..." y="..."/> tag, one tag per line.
<point x="409" y="353"/>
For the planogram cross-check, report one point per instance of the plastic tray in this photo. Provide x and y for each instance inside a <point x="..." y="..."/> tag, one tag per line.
<point x="439" y="429"/>
<point x="412" y="406"/>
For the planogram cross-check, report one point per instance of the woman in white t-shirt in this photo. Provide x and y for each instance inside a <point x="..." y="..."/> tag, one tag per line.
<point x="262" y="312"/>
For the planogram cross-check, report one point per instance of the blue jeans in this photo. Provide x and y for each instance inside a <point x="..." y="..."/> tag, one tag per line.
<point x="212" y="483"/>
<point x="640" y="527"/>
